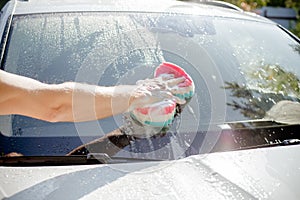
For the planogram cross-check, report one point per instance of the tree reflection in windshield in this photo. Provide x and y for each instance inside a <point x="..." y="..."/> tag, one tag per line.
<point x="296" y="48"/>
<point x="269" y="85"/>
<point x="274" y="78"/>
<point x="248" y="105"/>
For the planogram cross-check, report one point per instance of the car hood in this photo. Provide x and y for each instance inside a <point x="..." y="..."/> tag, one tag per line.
<point x="270" y="173"/>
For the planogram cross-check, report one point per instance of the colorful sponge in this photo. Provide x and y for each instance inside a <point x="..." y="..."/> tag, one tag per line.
<point x="162" y="113"/>
<point x="159" y="114"/>
<point x="186" y="89"/>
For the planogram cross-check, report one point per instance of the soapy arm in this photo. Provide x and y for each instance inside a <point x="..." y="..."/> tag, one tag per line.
<point x="72" y="101"/>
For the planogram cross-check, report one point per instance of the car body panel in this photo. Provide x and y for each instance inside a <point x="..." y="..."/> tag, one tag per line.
<point x="270" y="173"/>
<point x="42" y="6"/>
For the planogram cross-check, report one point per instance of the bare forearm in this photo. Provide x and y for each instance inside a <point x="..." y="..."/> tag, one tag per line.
<point x="76" y="101"/>
<point x="61" y="102"/>
<point x="87" y="102"/>
<point x="18" y="94"/>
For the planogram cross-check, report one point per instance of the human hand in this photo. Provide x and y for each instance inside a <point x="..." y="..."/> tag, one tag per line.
<point x="159" y="100"/>
<point x="155" y="90"/>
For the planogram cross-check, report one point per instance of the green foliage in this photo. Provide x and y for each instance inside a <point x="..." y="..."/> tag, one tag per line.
<point x="253" y="4"/>
<point x="275" y="3"/>
<point x="274" y="78"/>
<point x="246" y="103"/>
<point x="272" y="84"/>
<point x="2" y="3"/>
<point x="296" y="30"/>
<point x="293" y="4"/>
<point x="250" y="5"/>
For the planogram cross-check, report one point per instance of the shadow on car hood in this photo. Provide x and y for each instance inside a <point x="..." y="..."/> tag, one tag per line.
<point x="271" y="173"/>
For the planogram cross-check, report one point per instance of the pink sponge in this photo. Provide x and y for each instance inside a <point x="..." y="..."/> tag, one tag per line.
<point x="187" y="88"/>
<point x="161" y="114"/>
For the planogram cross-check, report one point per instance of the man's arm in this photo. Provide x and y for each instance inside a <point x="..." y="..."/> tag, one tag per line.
<point x="72" y="101"/>
<point x="61" y="102"/>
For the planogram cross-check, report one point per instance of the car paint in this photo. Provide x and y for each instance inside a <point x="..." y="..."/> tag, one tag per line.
<point x="267" y="173"/>
<point x="50" y="6"/>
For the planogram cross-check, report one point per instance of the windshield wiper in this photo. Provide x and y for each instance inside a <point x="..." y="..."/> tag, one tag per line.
<point x="47" y="161"/>
<point x="286" y="142"/>
<point x="112" y="160"/>
<point x="250" y="134"/>
<point x="92" y="158"/>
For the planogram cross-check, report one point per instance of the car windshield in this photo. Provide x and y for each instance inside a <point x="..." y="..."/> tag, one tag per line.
<point x="242" y="70"/>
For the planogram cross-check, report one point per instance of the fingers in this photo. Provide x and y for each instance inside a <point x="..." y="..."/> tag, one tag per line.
<point x="179" y="90"/>
<point x="158" y="89"/>
<point x="165" y="82"/>
<point x="150" y="97"/>
<point x="175" y="81"/>
<point x="179" y="100"/>
<point x="165" y="95"/>
<point x="165" y="77"/>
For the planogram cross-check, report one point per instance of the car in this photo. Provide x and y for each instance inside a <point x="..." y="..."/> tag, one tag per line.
<point x="236" y="138"/>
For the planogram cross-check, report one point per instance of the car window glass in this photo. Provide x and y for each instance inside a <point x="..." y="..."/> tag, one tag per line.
<point x="231" y="62"/>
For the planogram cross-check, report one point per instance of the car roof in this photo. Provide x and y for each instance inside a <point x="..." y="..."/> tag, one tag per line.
<point x="199" y="8"/>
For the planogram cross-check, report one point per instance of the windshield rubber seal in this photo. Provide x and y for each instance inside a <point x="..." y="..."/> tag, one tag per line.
<point x="4" y="40"/>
